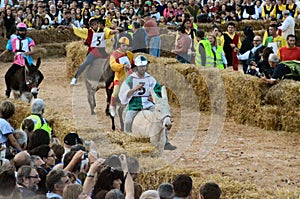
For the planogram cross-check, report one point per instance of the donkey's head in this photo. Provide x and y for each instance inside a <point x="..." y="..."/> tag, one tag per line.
<point x="32" y="76"/>
<point x="162" y="108"/>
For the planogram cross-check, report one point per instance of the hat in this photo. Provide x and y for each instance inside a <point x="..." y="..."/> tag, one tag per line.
<point x="72" y="139"/>
<point x="286" y="12"/>
<point x="140" y="61"/>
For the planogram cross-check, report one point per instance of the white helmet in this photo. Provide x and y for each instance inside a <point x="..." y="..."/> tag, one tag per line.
<point x="140" y="61"/>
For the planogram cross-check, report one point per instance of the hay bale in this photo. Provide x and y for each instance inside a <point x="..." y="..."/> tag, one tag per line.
<point x="76" y="52"/>
<point x="40" y="52"/>
<point x="269" y="117"/>
<point x="55" y="49"/>
<point x="286" y="94"/>
<point x="290" y="120"/>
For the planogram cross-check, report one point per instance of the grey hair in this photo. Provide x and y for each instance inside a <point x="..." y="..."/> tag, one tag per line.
<point x="37" y="106"/>
<point x="150" y="194"/>
<point x="114" y="194"/>
<point x="23" y="172"/>
<point x="166" y="191"/>
<point x="273" y="58"/>
<point x="20" y="136"/>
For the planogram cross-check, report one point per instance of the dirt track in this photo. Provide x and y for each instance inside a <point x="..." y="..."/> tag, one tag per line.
<point x="268" y="159"/>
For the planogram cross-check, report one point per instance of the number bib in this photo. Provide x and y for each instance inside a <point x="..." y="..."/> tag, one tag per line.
<point x="22" y="45"/>
<point x="145" y="91"/>
<point x="98" y="40"/>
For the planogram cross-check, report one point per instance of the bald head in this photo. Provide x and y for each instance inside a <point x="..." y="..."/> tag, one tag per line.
<point x="257" y="40"/>
<point x="22" y="158"/>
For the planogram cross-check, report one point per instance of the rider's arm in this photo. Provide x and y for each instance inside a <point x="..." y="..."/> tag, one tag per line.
<point x="115" y="66"/>
<point x="131" y="91"/>
<point x="31" y="52"/>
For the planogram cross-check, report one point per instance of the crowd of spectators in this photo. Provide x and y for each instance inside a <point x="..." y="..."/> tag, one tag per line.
<point x="47" y="14"/>
<point x="42" y="167"/>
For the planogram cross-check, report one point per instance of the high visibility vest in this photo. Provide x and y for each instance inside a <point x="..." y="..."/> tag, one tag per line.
<point x="219" y="62"/>
<point x="208" y="54"/>
<point x="40" y="123"/>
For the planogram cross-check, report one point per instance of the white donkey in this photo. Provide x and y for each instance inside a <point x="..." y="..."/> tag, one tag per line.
<point x="154" y="124"/>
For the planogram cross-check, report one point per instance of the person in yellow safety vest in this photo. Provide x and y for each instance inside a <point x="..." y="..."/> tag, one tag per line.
<point x="37" y="110"/>
<point x="204" y="55"/>
<point x="220" y="60"/>
<point x="121" y="61"/>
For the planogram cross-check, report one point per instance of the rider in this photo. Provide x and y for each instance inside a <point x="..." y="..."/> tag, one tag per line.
<point x="131" y="93"/>
<point x="22" y="47"/>
<point x="96" y="40"/>
<point x="120" y="62"/>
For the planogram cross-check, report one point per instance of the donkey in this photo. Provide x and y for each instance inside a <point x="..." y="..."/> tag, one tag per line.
<point x="96" y="74"/>
<point x="25" y="82"/>
<point x="154" y="124"/>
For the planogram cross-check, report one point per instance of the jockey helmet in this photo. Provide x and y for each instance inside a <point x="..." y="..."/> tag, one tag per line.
<point x="22" y="26"/>
<point x="93" y="19"/>
<point x="124" y="40"/>
<point x="140" y="61"/>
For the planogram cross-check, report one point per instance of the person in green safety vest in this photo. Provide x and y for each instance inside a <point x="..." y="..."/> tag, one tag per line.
<point x="219" y="57"/>
<point x="37" y="110"/>
<point x="204" y="55"/>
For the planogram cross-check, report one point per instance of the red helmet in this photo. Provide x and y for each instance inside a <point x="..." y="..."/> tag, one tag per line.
<point x="22" y="26"/>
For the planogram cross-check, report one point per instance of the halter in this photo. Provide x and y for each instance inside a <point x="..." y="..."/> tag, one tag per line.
<point x="159" y="120"/>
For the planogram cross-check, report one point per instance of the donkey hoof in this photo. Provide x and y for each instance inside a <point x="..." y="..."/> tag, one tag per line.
<point x="93" y="113"/>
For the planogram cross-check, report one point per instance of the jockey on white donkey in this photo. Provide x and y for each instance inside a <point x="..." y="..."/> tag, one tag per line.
<point x="135" y="92"/>
<point x="22" y="47"/>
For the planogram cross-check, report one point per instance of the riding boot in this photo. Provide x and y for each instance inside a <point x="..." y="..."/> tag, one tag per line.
<point x="112" y="106"/>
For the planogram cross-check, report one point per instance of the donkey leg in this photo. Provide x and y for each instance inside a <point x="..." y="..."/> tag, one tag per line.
<point x="113" y="126"/>
<point x="91" y="97"/>
<point x="120" y="113"/>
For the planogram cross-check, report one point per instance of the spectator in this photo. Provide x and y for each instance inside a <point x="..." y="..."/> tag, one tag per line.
<point x="290" y="52"/>
<point x="263" y="65"/>
<point x="150" y="194"/>
<point x="266" y="10"/>
<point x="7" y="109"/>
<point x="8" y="183"/>
<point x="29" y="21"/>
<point x="193" y="9"/>
<point x="153" y="35"/>
<point x="154" y="12"/>
<point x="277" y="11"/>
<point x="56" y="181"/>
<point x="292" y="8"/>
<point x="247" y="44"/>
<point x="166" y="191"/>
<point x="39" y="137"/>
<point x="20" y="159"/>
<point x="59" y="152"/>
<point x="231" y="42"/>
<point x="21" y="138"/>
<point x="203" y="45"/>
<point x="252" y="56"/>
<point x="219" y="60"/>
<point x="9" y="23"/>
<point x="183" y="46"/>
<point x="210" y="190"/>
<point x="37" y="110"/>
<point x="74" y="191"/>
<point x="168" y="11"/>
<point x="37" y="22"/>
<point x="249" y="10"/>
<point x="288" y="25"/>
<point x="183" y="185"/>
<point x="275" y="41"/>
<point x="28" y="127"/>
<point x="139" y="38"/>
<point x="108" y="179"/>
<point x="28" y="180"/>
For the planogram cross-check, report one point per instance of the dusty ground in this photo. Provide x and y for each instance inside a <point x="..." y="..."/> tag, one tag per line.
<point x="269" y="159"/>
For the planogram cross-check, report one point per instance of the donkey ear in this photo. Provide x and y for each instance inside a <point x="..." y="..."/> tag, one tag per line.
<point x="153" y="95"/>
<point x="164" y="94"/>
<point x="38" y="62"/>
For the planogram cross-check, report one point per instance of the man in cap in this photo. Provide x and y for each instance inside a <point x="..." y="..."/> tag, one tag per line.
<point x="37" y="111"/>
<point x="288" y="25"/>
<point x="131" y="94"/>
<point x="70" y="140"/>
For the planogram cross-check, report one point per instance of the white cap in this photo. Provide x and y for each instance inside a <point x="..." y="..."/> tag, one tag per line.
<point x="140" y="61"/>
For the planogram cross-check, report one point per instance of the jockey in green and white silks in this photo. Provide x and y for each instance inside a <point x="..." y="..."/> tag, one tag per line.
<point x="140" y="98"/>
